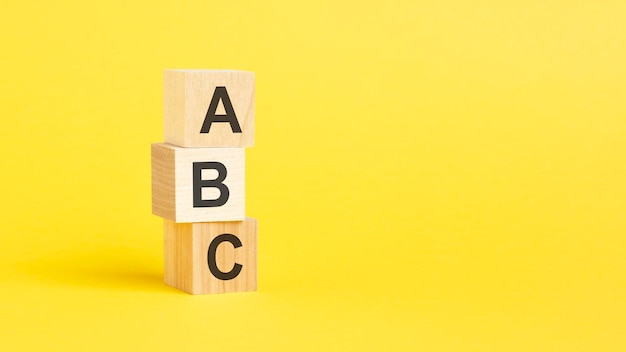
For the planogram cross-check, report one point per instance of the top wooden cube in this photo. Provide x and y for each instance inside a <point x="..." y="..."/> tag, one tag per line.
<point x="208" y="108"/>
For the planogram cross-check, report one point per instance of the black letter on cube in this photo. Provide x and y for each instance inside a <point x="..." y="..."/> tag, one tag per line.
<point x="220" y="93"/>
<point x="199" y="183"/>
<point x="226" y="237"/>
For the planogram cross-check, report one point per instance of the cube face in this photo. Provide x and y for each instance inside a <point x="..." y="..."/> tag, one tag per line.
<point x="215" y="257"/>
<point x="188" y="112"/>
<point x="198" y="184"/>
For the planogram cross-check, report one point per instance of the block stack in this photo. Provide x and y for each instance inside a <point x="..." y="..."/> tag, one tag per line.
<point x="198" y="181"/>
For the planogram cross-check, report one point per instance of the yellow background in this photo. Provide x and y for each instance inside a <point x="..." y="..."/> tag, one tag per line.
<point x="427" y="175"/>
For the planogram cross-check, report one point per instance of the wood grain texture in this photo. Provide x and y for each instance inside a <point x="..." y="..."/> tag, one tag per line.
<point x="186" y="256"/>
<point x="186" y="98"/>
<point x="172" y="183"/>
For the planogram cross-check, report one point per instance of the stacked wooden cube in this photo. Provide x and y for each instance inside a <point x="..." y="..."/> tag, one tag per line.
<point x="198" y="181"/>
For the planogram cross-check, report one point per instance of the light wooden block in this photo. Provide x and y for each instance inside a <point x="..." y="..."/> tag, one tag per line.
<point x="187" y="98"/>
<point x="173" y="184"/>
<point x="187" y="256"/>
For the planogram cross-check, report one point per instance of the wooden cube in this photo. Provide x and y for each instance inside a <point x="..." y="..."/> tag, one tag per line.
<point x="208" y="108"/>
<point x="211" y="257"/>
<point x="198" y="184"/>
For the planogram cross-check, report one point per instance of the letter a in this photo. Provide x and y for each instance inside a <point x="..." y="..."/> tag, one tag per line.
<point x="230" y="117"/>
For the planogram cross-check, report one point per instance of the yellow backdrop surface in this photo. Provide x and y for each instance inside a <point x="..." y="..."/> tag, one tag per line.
<point x="427" y="175"/>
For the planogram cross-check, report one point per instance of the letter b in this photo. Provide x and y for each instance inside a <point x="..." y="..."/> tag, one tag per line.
<point x="199" y="183"/>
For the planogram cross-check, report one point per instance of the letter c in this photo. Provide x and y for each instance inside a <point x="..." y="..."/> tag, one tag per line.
<point x="226" y="237"/>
